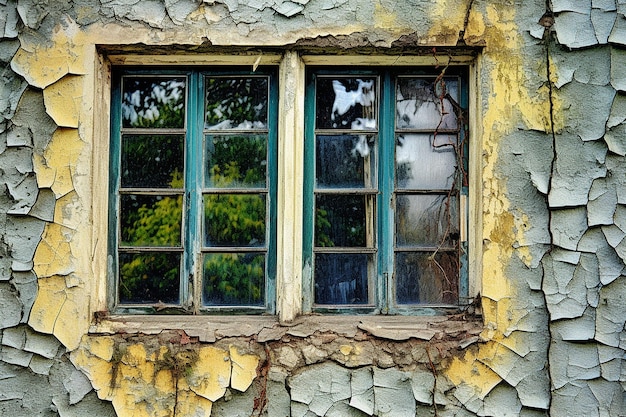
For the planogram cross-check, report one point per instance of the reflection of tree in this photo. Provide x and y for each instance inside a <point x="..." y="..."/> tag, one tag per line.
<point x="234" y="278"/>
<point x="153" y="102"/>
<point x="152" y="161"/>
<point x="149" y="277"/>
<point x="340" y="221"/>
<point x="230" y="219"/>
<point x="237" y="160"/>
<point x="234" y="219"/>
<point x="236" y="103"/>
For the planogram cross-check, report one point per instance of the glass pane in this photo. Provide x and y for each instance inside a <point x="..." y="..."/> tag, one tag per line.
<point x="148" y="220"/>
<point x="346" y="103"/>
<point x="149" y="277"/>
<point x="340" y="220"/>
<point x="422" y="164"/>
<point x="426" y="220"/>
<point x="236" y="103"/>
<point x="233" y="279"/>
<point x="345" y="161"/>
<point x="153" y="102"/>
<point x="341" y="278"/>
<point x="427" y="278"/>
<point x="422" y="103"/>
<point x="236" y="161"/>
<point x="234" y="220"/>
<point x="152" y="161"/>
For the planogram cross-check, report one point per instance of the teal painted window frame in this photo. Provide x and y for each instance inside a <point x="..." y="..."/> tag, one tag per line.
<point x="192" y="192"/>
<point x="383" y="300"/>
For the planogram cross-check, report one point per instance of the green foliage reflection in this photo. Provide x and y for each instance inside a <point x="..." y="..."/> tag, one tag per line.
<point x="153" y="102"/>
<point x="149" y="277"/>
<point x="234" y="279"/>
<point x="239" y="160"/>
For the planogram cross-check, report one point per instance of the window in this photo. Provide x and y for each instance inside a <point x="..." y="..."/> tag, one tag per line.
<point x="385" y="186"/>
<point x="192" y="183"/>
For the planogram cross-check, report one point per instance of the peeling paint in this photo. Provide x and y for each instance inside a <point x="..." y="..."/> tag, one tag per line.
<point x="549" y="179"/>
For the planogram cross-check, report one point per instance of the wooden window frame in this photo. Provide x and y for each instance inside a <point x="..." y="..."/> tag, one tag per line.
<point x="382" y="295"/>
<point x="192" y="247"/>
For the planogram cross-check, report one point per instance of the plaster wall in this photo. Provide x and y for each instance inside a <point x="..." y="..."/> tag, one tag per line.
<point x="548" y="219"/>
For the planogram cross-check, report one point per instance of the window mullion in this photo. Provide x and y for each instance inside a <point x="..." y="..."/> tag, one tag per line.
<point x="189" y="286"/>
<point x="386" y="206"/>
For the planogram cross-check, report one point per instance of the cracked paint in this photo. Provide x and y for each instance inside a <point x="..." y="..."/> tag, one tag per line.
<point x="550" y="172"/>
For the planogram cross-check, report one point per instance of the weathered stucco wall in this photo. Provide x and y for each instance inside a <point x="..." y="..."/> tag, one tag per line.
<point x="549" y="135"/>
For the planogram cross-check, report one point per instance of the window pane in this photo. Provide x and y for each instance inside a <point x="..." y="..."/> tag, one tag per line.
<point x="233" y="279"/>
<point x="236" y="161"/>
<point x="346" y="103"/>
<point x="426" y="220"/>
<point x="152" y="161"/>
<point x="236" y="103"/>
<point x="423" y="164"/>
<point x="427" y="278"/>
<point x="149" y="277"/>
<point x="345" y="161"/>
<point x="153" y="102"/>
<point x="423" y="104"/>
<point x="341" y="278"/>
<point x="234" y="220"/>
<point x="340" y="220"/>
<point x="148" y="220"/>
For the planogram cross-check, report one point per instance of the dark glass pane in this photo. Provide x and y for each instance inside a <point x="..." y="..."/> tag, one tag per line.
<point x="345" y="161"/>
<point x="426" y="220"/>
<point x="340" y="220"/>
<point x="153" y="102"/>
<point x="236" y="161"/>
<point x="341" y="278"/>
<point x="149" y="277"/>
<point x="148" y="220"/>
<point x="423" y="103"/>
<point x="427" y="278"/>
<point x="234" y="220"/>
<point x="233" y="279"/>
<point x="152" y="161"/>
<point x="346" y="103"/>
<point x="423" y="164"/>
<point x="236" y="103"/>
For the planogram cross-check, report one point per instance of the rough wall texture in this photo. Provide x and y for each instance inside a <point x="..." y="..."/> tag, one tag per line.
<point x="550" y="93"/>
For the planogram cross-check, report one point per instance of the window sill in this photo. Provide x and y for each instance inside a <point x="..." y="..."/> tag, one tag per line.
<point x="463" y="328"/>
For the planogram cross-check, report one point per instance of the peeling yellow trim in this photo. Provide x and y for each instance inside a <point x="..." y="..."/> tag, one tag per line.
<point x="63" y="100"/>
<point x="53" y="255"/>
<point x="469" y="371"/>
<point x="243" y="369"/>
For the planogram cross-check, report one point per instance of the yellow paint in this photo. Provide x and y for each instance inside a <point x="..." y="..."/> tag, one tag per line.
<point x="63" y="100"/>
<point x="243" y="369"/>
<point x="447" y="17"/>
<point x="189" y="404"/>
<point x="53" y="255"/>
<point x="43" y="63"/>
<point x="469" y="371"/>
<point x="51" y="296"/>
<point x="148" y="381"/>
<point x="55" y="170"/>
<point x="475" y="29"/>
<point x="144" y="380"/>
<point x="383" y="17"/>
<point x="210" y="375"/>
<point x="510" y="104"/>
<point x="345" y="349"/>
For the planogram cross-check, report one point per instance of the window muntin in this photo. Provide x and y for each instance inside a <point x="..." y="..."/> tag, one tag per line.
<point x="386" y="154"/>
<point x="192" y="180"/>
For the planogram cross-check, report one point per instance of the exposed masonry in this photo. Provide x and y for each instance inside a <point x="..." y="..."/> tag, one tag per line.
<point x="563" y="351"/>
